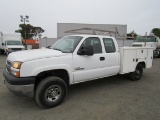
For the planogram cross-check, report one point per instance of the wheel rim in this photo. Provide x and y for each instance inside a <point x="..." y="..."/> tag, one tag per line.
<point x="53" y="93"/>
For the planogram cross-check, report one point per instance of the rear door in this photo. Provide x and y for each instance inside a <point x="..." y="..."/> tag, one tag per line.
<point x="112" y="56"/>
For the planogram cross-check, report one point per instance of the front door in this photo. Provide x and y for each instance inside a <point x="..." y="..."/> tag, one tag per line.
<point x="89" y="67"/>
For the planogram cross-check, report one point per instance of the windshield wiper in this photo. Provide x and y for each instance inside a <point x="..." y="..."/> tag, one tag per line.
<point x="57" y="49"/>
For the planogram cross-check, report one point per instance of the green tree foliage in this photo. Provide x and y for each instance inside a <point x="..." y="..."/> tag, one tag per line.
<point x="132" y="34"/>
<point x="28" y="31"/>
<point x="156" y="31"/>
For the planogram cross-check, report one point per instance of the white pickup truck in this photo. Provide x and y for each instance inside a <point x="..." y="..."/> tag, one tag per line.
<point x="46" y="73"/>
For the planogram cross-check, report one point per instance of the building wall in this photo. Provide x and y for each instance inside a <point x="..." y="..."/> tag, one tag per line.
<point x="44" y="42"/>
<point x="63" y="27"/>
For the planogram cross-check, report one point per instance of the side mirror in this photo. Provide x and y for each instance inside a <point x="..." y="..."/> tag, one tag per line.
<point x="2" y="43"/>
<point x="88" y="50"/>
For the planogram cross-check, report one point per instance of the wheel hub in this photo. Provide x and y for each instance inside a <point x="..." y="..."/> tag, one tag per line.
<point x="138" y="72"/>
<point x="53" y="93"/>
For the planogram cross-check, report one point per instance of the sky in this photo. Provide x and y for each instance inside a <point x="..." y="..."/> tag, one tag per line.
<point x="139" y="15"/>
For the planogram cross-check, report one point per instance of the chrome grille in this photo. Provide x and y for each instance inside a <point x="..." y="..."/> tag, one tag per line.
<point x="8" y="66"/>
<point x="9" y="63"/>
<point x="8" y="70"/>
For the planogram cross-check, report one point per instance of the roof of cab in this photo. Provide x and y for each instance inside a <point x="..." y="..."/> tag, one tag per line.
<point x="84" y="35"/>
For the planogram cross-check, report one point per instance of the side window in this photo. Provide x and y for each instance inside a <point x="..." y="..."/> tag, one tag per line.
<point x="157" y="39"/>
<point x="109" y="45"/>
<point x="95" y="42"/>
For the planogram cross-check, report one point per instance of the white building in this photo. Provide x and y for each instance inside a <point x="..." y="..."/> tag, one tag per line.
<point x="63" y="29"/>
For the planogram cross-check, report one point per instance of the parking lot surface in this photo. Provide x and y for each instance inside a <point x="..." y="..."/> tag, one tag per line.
<point x="112" y="98"/>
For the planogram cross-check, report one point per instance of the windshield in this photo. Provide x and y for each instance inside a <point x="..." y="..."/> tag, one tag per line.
<point x="12" y="42"/>
<point x="67" y="44"/>
<point x="148" y="39"/>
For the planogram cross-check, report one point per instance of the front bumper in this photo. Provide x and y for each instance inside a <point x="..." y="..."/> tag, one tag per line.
<point x="20" y="86"/>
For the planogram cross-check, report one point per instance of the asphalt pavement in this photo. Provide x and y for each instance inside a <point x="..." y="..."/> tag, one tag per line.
<point x="112" y="98"/>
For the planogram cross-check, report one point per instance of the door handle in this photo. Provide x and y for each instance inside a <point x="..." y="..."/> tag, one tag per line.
<point x="102" y="58"/>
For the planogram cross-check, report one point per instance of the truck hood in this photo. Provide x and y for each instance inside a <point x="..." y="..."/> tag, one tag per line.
<point x="28" y="55"/>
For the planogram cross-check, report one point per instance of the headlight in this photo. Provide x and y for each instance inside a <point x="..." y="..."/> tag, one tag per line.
<point x="15" y="68"/>
<point x="16" y="65"/>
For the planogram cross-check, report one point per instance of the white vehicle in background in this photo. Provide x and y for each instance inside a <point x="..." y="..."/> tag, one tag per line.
<point x="10" y="43"/>
<point x="149" y="41"/>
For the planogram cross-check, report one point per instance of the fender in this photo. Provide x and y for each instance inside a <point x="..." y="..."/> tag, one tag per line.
<point x="141" y="61"/>
<point x="38" y="70"/>
<point x="34" y="67"/>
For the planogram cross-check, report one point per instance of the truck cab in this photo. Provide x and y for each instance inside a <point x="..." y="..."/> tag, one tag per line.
<point x="11" y="43"/>
<point x="13" y="46"/>
<point x="148" y="41"/>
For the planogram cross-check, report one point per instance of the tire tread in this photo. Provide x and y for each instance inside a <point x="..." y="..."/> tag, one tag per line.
<point x="45" y="82"/>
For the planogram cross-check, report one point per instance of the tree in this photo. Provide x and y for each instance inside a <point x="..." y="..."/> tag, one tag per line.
<point x="132" y="34"/>
<point x="156" y="31"/>
<point x="38" y="31"/>
<point x="28" y="31"/>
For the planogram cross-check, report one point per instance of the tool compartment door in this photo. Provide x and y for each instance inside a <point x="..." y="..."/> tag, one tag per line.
<point x="142" y="53"/>
<point x="128" y="60"/>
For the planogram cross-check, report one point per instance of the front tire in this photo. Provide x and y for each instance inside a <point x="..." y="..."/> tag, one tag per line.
<point x="137" y="74"/>
<point x="51" y="92"/>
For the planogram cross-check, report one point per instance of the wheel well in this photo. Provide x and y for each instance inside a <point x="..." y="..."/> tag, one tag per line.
<point x="61" y="73"/>
<point x="143" y="64"/>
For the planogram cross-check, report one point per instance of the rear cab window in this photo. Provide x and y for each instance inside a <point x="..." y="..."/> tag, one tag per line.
<point x="109" y="45"/>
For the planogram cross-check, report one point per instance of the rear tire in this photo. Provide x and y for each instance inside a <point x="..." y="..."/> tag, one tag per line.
<point x="137" y="74"/>
<point x="51" y="92"/>
<point x="159" y="54"/>
<point x="156" y="53"/>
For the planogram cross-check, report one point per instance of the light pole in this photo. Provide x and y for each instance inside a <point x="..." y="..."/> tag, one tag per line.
<point x="24" y="19"/>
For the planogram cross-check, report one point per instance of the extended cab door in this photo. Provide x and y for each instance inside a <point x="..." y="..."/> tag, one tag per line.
<point x="89" y="67"/>
<point x="112" y="56"/>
